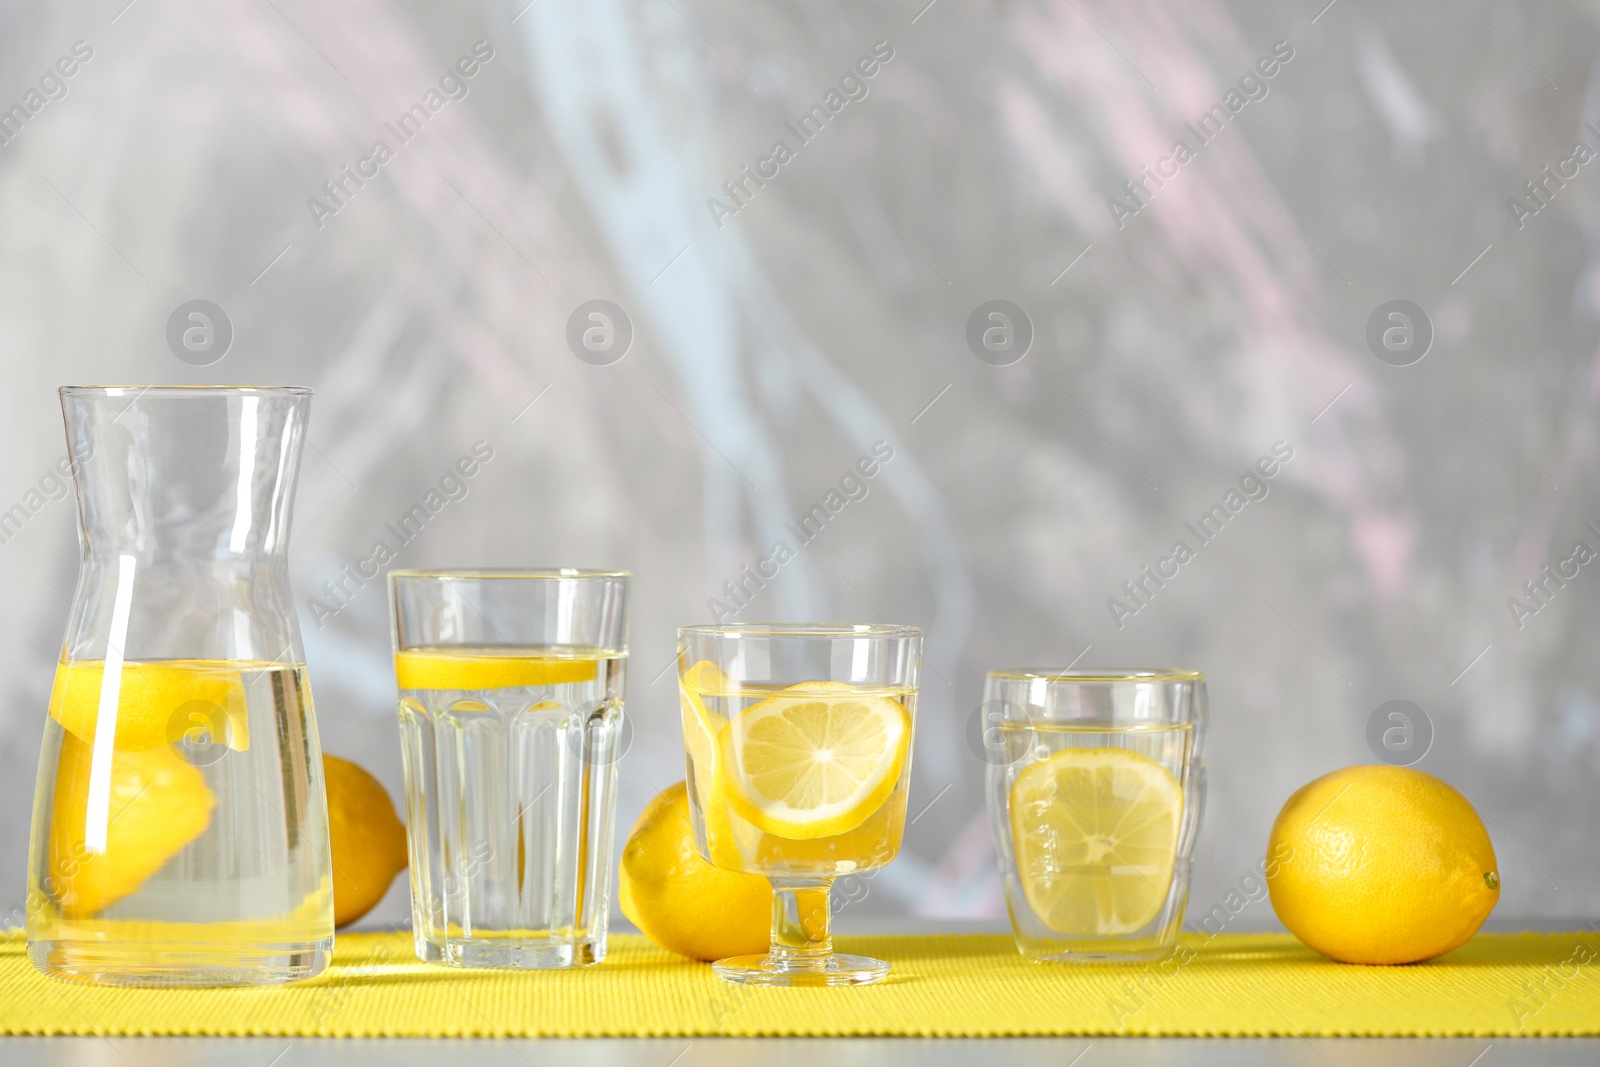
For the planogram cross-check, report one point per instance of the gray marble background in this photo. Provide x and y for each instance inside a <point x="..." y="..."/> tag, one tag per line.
<point x="1176" y="338"/>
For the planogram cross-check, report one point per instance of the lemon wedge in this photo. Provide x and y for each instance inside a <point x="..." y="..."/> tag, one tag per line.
<point x="158" y="804"/>
<point x="694" y="685"/>
<point x="1096" y="838"/>
<point x="814" y="760"/>
<point x="701" y="726"/>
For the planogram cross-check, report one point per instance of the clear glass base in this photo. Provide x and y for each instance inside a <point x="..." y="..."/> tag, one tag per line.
<point x="528" y="954"/>
<point x="173" y="964"/>
<point x="1134" y="954"/>
<point x="832" y="969"/>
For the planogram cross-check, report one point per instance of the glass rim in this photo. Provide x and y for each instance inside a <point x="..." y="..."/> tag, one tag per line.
<point x="181" y="390"/>
<point x="520" y="573"/>
<point x="799" y="629"/>
<point x="1099" y="675"/>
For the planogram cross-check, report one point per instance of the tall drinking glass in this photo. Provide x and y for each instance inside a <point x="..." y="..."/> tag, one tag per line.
<point x="510" y="731"/>
<point x="798" y="741"/>
<point x="1095" y="788"/>
<point x="180" y="831"/>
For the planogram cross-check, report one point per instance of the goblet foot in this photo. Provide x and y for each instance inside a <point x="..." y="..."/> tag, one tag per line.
<point x="831" y="969"/>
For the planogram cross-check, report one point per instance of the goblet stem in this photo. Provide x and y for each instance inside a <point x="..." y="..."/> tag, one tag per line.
<point x="802" y="943"/>
<point x="802" y="927"/>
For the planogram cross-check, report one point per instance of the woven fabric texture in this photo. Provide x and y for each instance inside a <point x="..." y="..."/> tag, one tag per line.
<point x="940" y="986"/>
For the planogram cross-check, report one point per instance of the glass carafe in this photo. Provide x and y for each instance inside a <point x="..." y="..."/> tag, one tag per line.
<point x="180" y="830"/>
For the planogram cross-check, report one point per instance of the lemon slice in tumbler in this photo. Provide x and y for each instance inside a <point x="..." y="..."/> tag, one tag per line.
<point x="1096" y="838"/>
<point x="814" y="760"/>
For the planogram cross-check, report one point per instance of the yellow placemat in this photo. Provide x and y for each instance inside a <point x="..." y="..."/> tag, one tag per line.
<point x="941" y="986"/>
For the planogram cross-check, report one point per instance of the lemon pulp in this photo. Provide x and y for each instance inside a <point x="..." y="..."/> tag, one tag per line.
<point x="814" y="760"/>
<point x="1095" y="831"/>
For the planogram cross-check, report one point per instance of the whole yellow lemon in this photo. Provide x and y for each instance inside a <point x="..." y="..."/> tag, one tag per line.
<point x="365" y="836"/>
<point x="1379" y="864"/>
<point x="680" y="901"/>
